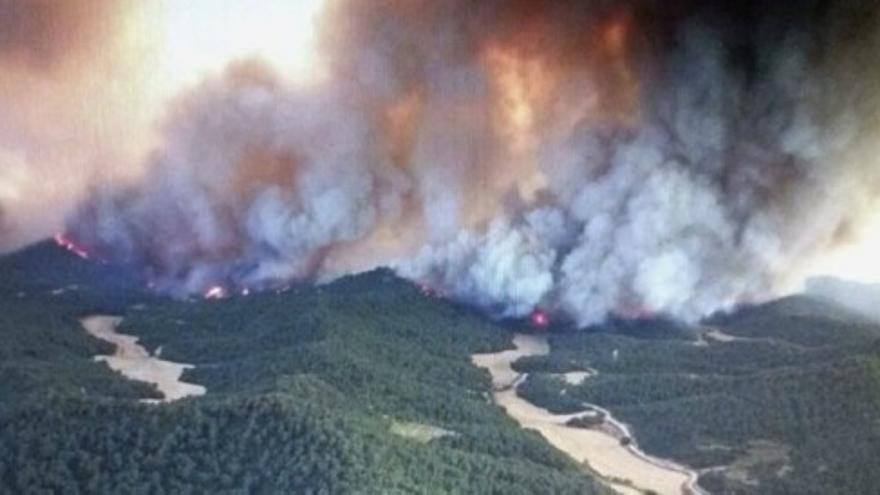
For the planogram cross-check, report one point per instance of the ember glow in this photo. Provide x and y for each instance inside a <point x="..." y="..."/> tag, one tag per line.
<point x="215" y="292"/>
<point x="63" y="241"/>
<point x="539" y="319"/>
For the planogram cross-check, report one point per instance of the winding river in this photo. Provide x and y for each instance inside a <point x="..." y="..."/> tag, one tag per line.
<point x="626" y="469"/>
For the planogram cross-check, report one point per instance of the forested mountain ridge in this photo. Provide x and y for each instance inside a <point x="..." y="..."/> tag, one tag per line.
<point x="780" y="398"/>
<point x="365" y="386"/>
<point x="307" y="390"/>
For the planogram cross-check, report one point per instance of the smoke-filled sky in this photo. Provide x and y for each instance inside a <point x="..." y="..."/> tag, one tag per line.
<point x="588" y="158"/>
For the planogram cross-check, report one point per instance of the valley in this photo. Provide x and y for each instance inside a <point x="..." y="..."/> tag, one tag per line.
<point x="602" y="449"/>
<point x="369" y="385"/>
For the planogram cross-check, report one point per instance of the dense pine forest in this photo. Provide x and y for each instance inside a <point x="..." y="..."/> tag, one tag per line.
<point x="319" y="390"/>
<point x="782" y="398"/>
<point x="306" y="392"/>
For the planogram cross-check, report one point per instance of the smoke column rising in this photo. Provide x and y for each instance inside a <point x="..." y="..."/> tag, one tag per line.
<point x="588" y="158"/>
<point x="73" y="107"/>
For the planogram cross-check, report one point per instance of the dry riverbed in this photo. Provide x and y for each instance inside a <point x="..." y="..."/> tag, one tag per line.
<point x="600" y="448"/>
<point x="135" y="363"/>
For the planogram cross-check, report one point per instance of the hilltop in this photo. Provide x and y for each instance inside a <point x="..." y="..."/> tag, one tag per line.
<point x="781" y="398"/>
<point x="365" y="385"/>
<point x="318" y="389"/>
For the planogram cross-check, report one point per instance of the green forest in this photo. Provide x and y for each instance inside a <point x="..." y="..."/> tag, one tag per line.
<point x="304" y="388"/>
<point x="782" y="398"/>
<point x="308" y="389"/>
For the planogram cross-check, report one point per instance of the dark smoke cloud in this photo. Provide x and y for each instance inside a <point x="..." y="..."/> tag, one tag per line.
<point x="586" y="157"/>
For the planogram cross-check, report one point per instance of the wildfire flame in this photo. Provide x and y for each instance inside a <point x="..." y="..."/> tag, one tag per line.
<point x="516" y="155"/>
<point x="539" y="319"/>
<point x="215" y="292"/>
<point x="63" y="241"/>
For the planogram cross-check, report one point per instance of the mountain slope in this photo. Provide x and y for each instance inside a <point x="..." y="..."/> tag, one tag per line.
<point x="782" y="398"/>
<point x="307" y="392"/>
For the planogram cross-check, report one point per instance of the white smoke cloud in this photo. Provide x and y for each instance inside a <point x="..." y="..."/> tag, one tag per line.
<point x="507" y="269"/>
<point x="473" y="152"/>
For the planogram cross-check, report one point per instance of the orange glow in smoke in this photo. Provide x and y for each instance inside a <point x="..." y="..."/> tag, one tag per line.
<point x="522" y="85"/>
<point x="564" y="84"/>
<point x="400" y="124"/>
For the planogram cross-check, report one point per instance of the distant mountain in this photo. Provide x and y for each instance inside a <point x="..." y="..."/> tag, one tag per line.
<point x="45" y="268"/>
<point x="860" y="297"/>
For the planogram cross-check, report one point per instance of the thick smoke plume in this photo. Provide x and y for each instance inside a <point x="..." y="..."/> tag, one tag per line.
<point x="66" y="91"/>
<point x="4" y="222"/>
<point x="588" y="158"/>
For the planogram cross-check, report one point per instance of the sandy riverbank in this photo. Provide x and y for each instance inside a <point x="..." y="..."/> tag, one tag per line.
<point x="601" y="449"/>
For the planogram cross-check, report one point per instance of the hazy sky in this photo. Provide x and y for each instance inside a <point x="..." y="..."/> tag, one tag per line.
<point x="86" y="82"/>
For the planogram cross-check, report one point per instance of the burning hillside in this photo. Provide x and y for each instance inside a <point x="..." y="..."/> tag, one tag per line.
<point x="586" y="158"/>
